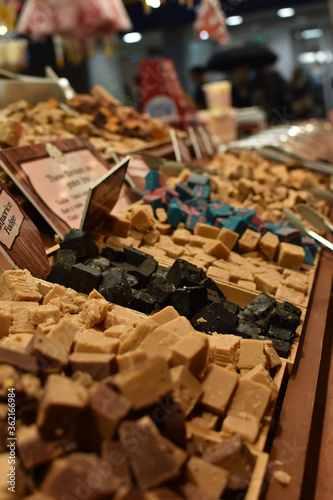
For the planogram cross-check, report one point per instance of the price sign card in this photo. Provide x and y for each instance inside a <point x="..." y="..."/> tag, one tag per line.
<point x="20" y="241"/>
<point x="56" y="177"/>
<point x="103" y="195"/>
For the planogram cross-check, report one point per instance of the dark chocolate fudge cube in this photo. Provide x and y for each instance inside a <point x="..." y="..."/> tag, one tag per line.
<point x="277" y="333"/>
<point x="287" y="306"/>
<point x="134" y="256"/>
<point x="246" y="329"/>
<point x="142" y="301"/>
<point x="115" y="287"/>
<point x="159" y="288"/>
<point x="66" y="257"/>
<point x="246" y="314"/>
<point x="183" y="273"/>
<point x="261" y="305"/>
<point x="282" y="347"/>
<point x="82" y="278"/>
<point x="144" y="271"/>
<point x="281" y="319"/>
<point x="58" y="274"/>
<point x="79" y="242"/>
<point x="113" y="254"/>
<point x="188" y="300"/>
<point x="215" y="318"/>
<point x="213" y="290"/>
<point x="100" y="263"/>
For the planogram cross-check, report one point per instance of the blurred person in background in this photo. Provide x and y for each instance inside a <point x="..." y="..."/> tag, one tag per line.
<point x="199" y="98"/>
<point x="302" y="104"/>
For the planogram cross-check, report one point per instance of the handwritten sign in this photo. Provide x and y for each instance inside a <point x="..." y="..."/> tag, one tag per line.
<point x="20" y="241"/>
<point x="56" y="185"/>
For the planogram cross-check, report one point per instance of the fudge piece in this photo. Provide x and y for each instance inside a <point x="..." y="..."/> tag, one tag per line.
<point x="233" y="455"/>
<point x="290" y="255"/>
<point x="268" y="282"/>
<point x="44" y="312"/>
<point x="5" y="319"/>
<point x="249" y="241"/>
<point x="269" y="245"/>
<point x="96" y="343"/>
<point x="108" y="408"/>
<point x="182" y="273"/>
<point x="159" y="343"/>
<point x="131" y="340"/>
<point x="206" y="231"/>
<point x="246" y="425"/>
<point x="260" y="375"/>
<point x="188" y="299"/>
<point x="287" y="306"/>
<point x="290" y="294"/>
<point x="228" y="238"/>
<point x="61" y="407"/>
<point x="204" y="419"/>
<point x="21" y="360"/>
<point x="209" y="478"/>
<point x="261" y="305"/>
<point x="80" y="242"/>
<point x="64" y="332"/>
<point x="216" y="317"/>
<point x="93" y="312"/>
<point x="218" y="386"/>
<point x="217" y="249"/>
<point x="250" y="397"/>
<point x="98" y="365"/>
<point x="272" y="357"/>
<point x="251" y="354"/>
<point x="130" y="359"/>
<point x="191" y="351"/>
<point x="115" y="287"/>
<point x="143" y="384"/>
<point x="151" y="461"/>
<point x="181" y="236"/>
<point x="187" y="390"/>
<point x="34" y="451"/>
<point x="114" y="453"/>
<point x="223" y="349"/>
<point x="51" y="356"/>
<point x="141" y="219"/>
<point x="281" y="319"/>
<point x="165" y="315"/>
<point x="80" y="472"/>
<point x="19" y="285"/>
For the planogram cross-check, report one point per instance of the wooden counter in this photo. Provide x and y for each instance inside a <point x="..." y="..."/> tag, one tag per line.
<point x="299" y="432"/>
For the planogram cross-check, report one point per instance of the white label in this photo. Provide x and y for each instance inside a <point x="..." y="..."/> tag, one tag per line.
<point x="11" y="219"/>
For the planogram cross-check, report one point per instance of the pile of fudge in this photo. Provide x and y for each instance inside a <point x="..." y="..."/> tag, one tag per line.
<point x="107" y="124"/>
<point x="114" y="404"/>
<point x="132" y="278"/>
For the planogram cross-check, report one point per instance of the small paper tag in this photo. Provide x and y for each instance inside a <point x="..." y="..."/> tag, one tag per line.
<point x="11" y="219"/>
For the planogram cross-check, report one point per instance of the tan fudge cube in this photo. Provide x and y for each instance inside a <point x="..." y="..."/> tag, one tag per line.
<point x="206" y="230"/>
<point x="217" y="249"/>
<point x="141" y="220"/>
<point x="187" y="389"/>
<point x="248" y="241"/>
<point x="290" y="295"/>
<point x="268" y="245"/>
<point x="218" y="273"/>
<point x="64" y="332"/>
<point x="218" y="387"/>
<point x="204" y="419"/>
<point x="251" y="354"/>
<point x="145" y="383"/>
<point x="96" y="343"/>
<point x="223" y="349"/>
<point x="191" y="351"/>
<point x="260" y="375"/>
<point x="130" y="359"/>
<point x="161" y="215"/>
<point x="290" y="255"/>
<point x="181" y="236"/>
<point x="268" y="282"/>
<point x="207" y="477"/>
<point x="5" y="319"/>
<point x="249" y="285"/>
<point x="166" y="315"/>
<point x="273" y="358"/>
<point x="246" y="425"/>
<point x="250" y="397"/>
<point x="159" y="343"/>
<point x="228" y="238"/>
<point x="295" y="282"/>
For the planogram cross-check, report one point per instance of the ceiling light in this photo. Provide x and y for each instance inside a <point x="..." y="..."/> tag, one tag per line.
<point x="204" y="35"/>
<point x="234" y="20"/>
<point x="153" y="3"/>
<point x="315" y="33"/>
<point x="287" y="12"/>
<point x="3" y="29"/>
<point x="132" y="37"/>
